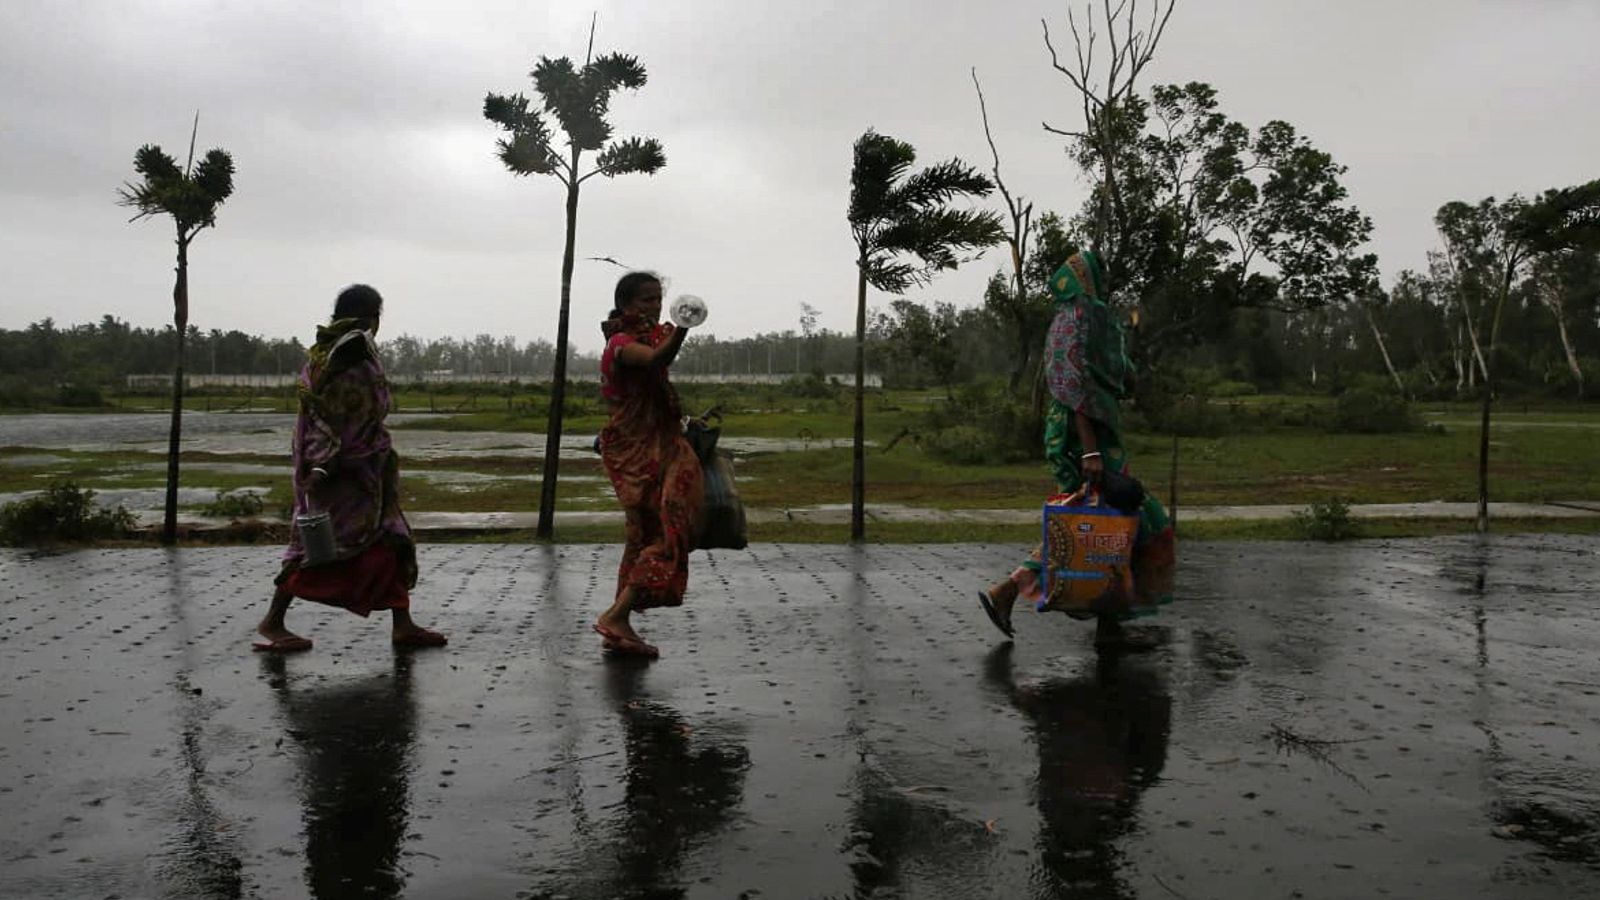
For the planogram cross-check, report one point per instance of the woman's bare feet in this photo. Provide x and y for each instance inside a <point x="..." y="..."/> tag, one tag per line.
<point x="275" y="635"/>
<point x="616" y="631"/>
<point x="409" y="634"/>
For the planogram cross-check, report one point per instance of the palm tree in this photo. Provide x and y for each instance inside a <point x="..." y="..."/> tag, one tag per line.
<point x="190" y="196"/>
<point x="895" y="213"/>
<point x="578" y="99"/>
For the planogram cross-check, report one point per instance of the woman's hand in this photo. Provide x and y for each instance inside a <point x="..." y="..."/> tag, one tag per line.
<point x="1093" y="465"/>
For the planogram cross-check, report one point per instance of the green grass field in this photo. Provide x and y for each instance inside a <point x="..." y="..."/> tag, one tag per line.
<point x="1539" y="453"/>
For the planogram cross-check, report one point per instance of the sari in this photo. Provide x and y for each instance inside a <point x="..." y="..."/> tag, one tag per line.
<point x="654" y="471"/>
<point x="1087" y="368"/>
<point x="344" y="400"/>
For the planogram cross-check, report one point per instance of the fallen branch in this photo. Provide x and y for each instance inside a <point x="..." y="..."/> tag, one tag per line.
<point x="564" y="763"/>
<point x="1317" y="748"/>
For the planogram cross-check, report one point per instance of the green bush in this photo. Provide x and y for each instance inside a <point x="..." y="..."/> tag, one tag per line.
<point x="1327" y="521"/>
<point x="63" y="513"/>
<point x="79" y="395"/>
<point x="985" y="423"/>
<point x="1365" y="410"/>
<point x="812" y="386"/>
<point x="964" y="445"/>
<point x="235" y="505"/>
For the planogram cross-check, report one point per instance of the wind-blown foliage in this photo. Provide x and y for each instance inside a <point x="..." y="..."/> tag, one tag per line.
<point x="1220" y="218"/>
<point x="190" y="196"/>
<point x="905" y="232"/>
<point x="578" y="101"/>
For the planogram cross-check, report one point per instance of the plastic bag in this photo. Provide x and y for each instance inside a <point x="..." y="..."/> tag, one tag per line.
<point x="722" y="520"/>
<point x="1088" y="555"/>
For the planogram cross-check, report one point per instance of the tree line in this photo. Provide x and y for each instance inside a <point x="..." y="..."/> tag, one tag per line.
<point x="37" y="361"/>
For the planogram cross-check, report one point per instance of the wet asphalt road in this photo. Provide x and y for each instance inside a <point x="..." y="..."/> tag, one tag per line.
<point x="825" y="723"/>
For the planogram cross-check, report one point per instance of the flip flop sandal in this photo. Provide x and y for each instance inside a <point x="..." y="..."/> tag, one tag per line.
<point x="282" y="645"/>
<point x="621" y="645"/>
<point x="1001" y="622"/>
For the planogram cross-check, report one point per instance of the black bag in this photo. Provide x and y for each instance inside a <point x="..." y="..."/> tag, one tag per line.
<point x="702" y="434"/>
<point x="722" y="522"/>
<point x="1122" y="493"/>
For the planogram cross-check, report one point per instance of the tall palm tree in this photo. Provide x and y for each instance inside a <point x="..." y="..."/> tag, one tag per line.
<point x="190" y="196"/>
<point x="579" y="100"/>
<point x="896" y="213"/>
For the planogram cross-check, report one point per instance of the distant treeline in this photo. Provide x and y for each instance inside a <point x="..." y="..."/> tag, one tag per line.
<point x="914" y="344"/>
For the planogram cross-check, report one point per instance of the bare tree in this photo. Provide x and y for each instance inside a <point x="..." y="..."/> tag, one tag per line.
<point x="1105" y="91"/>
<point x="1369" y="306"/>
<point x="1020" y="212"/>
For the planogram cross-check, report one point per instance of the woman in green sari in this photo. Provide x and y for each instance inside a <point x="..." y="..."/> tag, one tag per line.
<point x="1087" y="368"/>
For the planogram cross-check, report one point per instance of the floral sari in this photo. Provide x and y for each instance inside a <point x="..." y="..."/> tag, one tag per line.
<point x="1086" y="366"/>
<point x="344" y="400"/>
<point x="653" y="469"/>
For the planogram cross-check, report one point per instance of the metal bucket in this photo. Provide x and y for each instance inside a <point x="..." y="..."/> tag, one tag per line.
<point x="316" y="537"/>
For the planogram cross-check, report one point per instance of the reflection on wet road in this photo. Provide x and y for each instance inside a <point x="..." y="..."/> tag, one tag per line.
<point x="1412" y="719"/>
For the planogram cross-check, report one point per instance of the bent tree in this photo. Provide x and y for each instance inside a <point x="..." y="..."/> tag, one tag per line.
<point x="896" y="213"/>
<point x="190" y="196"/>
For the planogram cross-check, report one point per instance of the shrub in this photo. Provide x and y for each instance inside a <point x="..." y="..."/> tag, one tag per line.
<point x="965" y="445"/>
<point x="1365" y="410"/>
<point x="812" y="386"/>
<point x="63" y="513"/>
<point x="235" y="505"/>
<point x="1327" y="521"/>
<point x="985" y="423"/>
<point x="79" y="395"/>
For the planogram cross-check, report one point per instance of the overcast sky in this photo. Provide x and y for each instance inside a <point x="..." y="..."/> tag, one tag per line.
<point x="362" y="153"/>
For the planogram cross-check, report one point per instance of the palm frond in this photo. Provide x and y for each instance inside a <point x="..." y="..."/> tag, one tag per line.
<point x="879" y="163"/>
<point x="526" y="155"/>
<point x="191" y="200"/>
<point x="214" y="176"/>
<point x="511" y="112"/>
<point x="578" y="100"/>
<point x="141" y="197"/>
<point x="618" y="70"/>
<point x="940" y="183"/>
<point x="936" y="235"/>
<point x="886" y="274"/>
<point x="632" y="155"/>
<point x="156" y="167"/>
<point x="527" y="151"/>
<point x="557" y="82"/>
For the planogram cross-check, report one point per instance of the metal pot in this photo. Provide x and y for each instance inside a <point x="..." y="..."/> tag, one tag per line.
<point x="316" y="537"/>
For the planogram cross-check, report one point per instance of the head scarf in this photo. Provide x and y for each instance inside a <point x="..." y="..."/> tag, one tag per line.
<point x="1087" y="363"/>
<point x="340" y="344"/>
<point x="1079" y="276"/>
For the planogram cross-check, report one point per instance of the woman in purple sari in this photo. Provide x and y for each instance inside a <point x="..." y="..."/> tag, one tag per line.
<point x="345" y="466"/>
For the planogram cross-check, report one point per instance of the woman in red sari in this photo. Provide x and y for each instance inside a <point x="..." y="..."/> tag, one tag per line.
<point x="345" y="465"/>
<point x="652" y="467"/>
